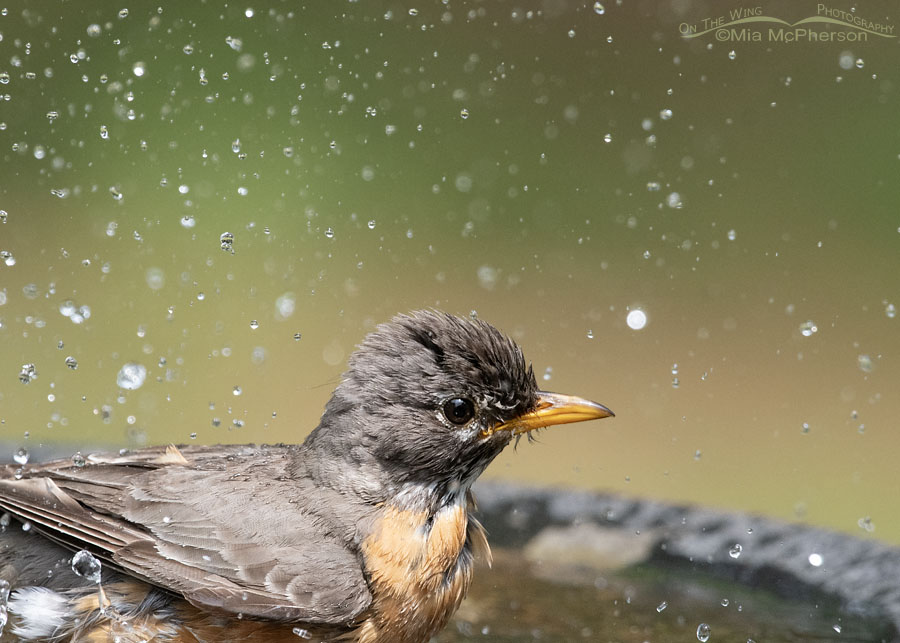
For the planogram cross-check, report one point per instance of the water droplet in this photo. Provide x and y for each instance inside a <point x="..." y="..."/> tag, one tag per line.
<point x="735" y="551"/>
<point x="254" y="324"/>
<point x="297" y="337"/>
<point x="193" y="436"/>
<point x="329" y="233"/>
<point x="285" y="306"/>
<point x="725" y="602"/>
<point x="123" y="13"/>
<point x="139" y="69"/>
<point x="464" y="113"/>
<point x="414" y="12"/>
<point x="607" y="138"/>
<point x="187" y="221"/>
<point x="548" y="373"/>
<point x="71" y="362"/>
<point x="636" y="319"/>
<point x="226" y="242"/>
<point x="8" y="258"/>
<point x="299" y="631"/>
<point x="674" y="201"/>
<point x="188" y="49"/>
<point x="815" y="559"/>
<point x="84" y="564"/>
<point x="808" y="329"/>
<point x="891" y="311"/>
<point x="665" y="114"/>
<point x="155" y="278"/>
<point x="804" y="428"/>
<point x="836" y="627"/>
<point x="21" y="456"/>
<point x="662" y="606"/>
<point x="27" y="374"/>
<point x="732" y="55"/>
<point x="599" y="9"/>
<point x="703" y="632"/>
<point x="488" y="277"/>
<point x="93" y="30"/>
<point x="732" y="235"/>
<point x="590" y="334"/>
<point x="698" y="454"/>
<point x="235" y="43"/>
<point x="845" y="60"/>
<point x="865" y="363"/>
<point x="131" y="376"/>
<point x="236" y="391"/>
<point x="4" y="584"/>
<point x="571" y="33"/>
<point x="860" y="63"/>
<point x="104" y="132"/>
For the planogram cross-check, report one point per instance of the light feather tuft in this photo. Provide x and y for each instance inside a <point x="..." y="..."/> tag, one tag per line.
<point x="39" y="612"/>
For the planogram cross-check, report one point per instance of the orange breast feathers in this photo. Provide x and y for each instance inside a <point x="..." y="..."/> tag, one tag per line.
<point x="419" y="571"/>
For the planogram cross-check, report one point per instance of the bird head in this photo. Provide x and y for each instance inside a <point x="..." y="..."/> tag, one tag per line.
<point x="430" y="399"/>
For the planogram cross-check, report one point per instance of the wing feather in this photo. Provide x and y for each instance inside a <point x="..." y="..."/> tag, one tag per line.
<point x="220" y="525"/>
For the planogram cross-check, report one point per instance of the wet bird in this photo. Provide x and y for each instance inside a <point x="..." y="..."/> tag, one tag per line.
<point x="362" y="534"/>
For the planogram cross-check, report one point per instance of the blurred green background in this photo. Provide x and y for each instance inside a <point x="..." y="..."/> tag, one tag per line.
<point x="550" y="165"/>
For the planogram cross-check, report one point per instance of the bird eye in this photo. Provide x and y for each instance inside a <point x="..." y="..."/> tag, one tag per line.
<point x="459" y="410"/>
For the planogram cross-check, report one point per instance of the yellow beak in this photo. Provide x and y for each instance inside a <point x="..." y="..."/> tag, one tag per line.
<point x="553" y="408"/>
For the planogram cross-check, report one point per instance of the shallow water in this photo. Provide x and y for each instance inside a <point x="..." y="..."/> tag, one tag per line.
<point x="511" y="603"/>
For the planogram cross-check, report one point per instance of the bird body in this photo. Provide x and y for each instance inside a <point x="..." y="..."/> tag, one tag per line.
<point x="361" y="534"/>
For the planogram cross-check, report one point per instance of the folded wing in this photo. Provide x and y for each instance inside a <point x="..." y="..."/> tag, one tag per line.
<point x="221" y="526"/>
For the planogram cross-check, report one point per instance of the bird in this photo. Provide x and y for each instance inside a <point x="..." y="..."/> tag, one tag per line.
<point x="363" y="533"/>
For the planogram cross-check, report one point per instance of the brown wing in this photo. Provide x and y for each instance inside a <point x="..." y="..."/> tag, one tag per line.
<point x="223" y="526"/>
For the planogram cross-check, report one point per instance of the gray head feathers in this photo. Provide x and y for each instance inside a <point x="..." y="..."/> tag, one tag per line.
<point x="386" y="415"/>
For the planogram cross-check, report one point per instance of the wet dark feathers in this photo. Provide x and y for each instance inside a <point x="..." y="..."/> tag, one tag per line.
<point x="397" y="381"/>
<point x="429" y="353"/>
